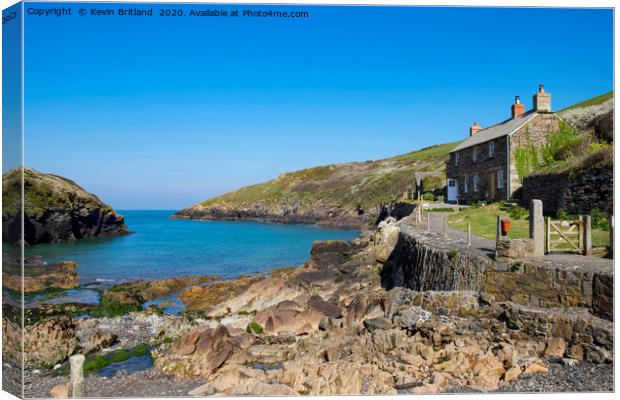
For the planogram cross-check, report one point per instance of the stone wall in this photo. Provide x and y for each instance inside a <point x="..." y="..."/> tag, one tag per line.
<point x="508" y="250"/>
<point x="576" y="192"/>
<point x="421" y="267"/>
<point x="420" y="262"/>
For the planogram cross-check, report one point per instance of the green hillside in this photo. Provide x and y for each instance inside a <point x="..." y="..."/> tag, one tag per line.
<point x="336" y="192"/>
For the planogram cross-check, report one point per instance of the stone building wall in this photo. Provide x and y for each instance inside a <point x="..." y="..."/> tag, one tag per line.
<point x="535" y="133"/>
<point x="467" y="168"/>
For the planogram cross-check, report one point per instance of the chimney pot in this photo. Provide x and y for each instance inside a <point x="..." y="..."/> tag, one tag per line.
<point x="517" y="108"/>
<point x="474" y="129"/>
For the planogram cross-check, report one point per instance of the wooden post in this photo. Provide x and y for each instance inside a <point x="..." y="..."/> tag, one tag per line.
<point x="76" y="385"/>
<point x="582" y="242"/>
<point x="548" y="235"/>
<point x="428" y="221"/>
<point x="587" y="236"/>
<point x="469" y="233"/>
<point x="445" y="226"/>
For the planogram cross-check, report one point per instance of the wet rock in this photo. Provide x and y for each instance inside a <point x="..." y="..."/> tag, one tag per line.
<point x="40" y="277"/>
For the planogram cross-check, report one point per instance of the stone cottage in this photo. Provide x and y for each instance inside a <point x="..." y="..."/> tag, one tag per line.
<point x="483" y="167"/>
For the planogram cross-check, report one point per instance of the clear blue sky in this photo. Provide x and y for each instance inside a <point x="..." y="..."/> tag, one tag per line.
<point x="161" y="113"/>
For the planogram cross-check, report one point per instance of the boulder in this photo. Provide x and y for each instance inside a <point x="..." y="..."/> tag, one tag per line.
<point x="555" y="347"/>
<point x="51" y="341"/>
<point x="199" y="352"/>
<point x="373" y="324"/>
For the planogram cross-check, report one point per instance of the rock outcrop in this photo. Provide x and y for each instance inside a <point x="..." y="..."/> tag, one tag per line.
<point x="56" y="209"/>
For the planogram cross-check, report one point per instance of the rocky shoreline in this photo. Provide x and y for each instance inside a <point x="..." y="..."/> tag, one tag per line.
<point x="330" y="326"/>
<point x="327" y="217"/>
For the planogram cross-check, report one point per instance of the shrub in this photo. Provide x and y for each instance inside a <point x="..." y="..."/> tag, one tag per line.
<point x="432" y="183"/>
<point x="599" y="219"/>
<point x="428" y="197"/>
<point x="476" y="204"/>
<point x="453" y="253"/>
<point x="517" y="212"/>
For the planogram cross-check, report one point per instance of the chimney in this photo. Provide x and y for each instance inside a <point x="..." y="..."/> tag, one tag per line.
<point x="517" y="108"/>
<point x="474" y="128"/>
<point x="542" y="100"/>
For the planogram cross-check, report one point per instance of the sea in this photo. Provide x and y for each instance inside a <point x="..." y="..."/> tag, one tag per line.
<point x="162" y="247"/>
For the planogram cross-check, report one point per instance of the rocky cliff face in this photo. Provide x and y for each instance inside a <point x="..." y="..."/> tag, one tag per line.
<point x="342" y="195"/>
<point x="56" y="209"/>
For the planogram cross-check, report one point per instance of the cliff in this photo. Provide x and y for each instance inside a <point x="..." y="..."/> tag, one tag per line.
<point x="56" y="210"/>
<point x="339" y="195"/>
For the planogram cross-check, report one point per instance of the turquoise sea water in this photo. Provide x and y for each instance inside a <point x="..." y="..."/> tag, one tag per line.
<point x="161" y="247"/>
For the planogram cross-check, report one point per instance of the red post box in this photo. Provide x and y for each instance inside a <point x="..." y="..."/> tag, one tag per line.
<point x="505" y="225"/>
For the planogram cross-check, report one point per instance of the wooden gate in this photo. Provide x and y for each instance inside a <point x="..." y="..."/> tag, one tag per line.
<point x="569" y="236"/>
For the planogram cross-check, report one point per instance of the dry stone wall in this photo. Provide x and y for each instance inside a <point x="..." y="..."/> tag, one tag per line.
<point x="576" y="192"/>
<point x="420" y="262"/>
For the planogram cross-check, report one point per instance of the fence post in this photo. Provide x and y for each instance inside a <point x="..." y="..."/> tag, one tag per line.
<point x="428" y="221"/>
<point x="498" y="230"/>
<point x="611" y="233"/>
<point x="537" y="227"/>
<point x="76" y="385"/>
<point x="587" y="236"/>
<point x="469" y="233"/>
<point x="548" y="235"/>
<point x="445" y="226"/>
<point x="582" y="236"/>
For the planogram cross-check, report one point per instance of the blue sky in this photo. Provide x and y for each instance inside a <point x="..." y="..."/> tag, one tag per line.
<point x="161" y="113"/>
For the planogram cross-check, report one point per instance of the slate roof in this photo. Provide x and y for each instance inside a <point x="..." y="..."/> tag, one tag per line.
<point x="493" y="132"/>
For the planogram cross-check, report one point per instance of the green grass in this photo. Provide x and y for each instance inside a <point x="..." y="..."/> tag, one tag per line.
<point x="437" y="151"/>
<point x="591" y="102"/>
<point x="484" y="223"/>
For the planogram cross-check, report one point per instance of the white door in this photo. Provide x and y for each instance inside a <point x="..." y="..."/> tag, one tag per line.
<point x="452" y="190"/>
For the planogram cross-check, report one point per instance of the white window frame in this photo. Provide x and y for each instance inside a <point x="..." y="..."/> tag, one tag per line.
<point x="500" y="179"/>
<point x="475" y="153"/>
<point x="491" y="148"/>
<point x="475" y="179"/>
<point x="465" y="185"/>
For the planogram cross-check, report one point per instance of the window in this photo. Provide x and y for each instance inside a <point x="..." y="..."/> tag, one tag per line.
<point x="451" y="183"/>
<point x="491" y="149"/>
<point x="475" y="153"/>
<point x="465" y="185"/>
<point x="456" y="158"/>
<point x="475" y="183"/>
<point x="500" y="179"/>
